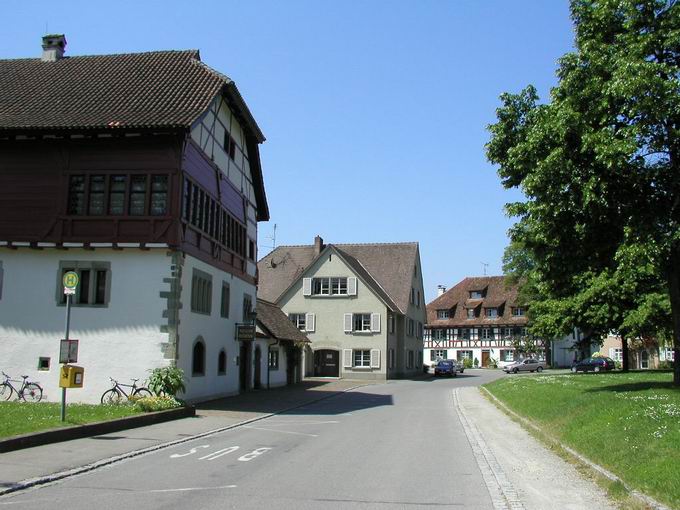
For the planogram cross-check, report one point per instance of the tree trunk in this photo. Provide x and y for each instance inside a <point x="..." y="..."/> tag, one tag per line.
<point x="674" y="291"/>
<point x="625" y="354"/>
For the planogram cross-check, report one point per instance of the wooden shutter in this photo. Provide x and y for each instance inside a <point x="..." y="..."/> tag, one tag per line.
<point x="347" y="358"/>
<point x="375" y="358"/>
<point x="351" y="286"/>
<point x="348" y="323"/>
<point x="310" y="323"/>
<point x="375" y="322"/>
<point x="306" y="286"/>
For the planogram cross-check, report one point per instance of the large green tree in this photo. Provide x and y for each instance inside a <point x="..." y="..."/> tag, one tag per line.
<point x="599" y="164"/>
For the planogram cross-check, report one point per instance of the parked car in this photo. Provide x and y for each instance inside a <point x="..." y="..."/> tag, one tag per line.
<point x="459" y="365"/>
<point x="527" y="365"/>
<point x="446" y="367"/>
<point x="599" y="364"/>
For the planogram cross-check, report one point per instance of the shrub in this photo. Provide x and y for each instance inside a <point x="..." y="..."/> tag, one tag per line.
<point x="467" y="362"/>
<point x="493" y="363"/>
<point x="156" y="403"/>
<point x="476" y="362"/>
<point x="618" y="364"/>
<point x="166" y="381"/>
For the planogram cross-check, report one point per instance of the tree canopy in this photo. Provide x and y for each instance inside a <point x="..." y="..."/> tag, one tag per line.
<point x="597" y="240"/>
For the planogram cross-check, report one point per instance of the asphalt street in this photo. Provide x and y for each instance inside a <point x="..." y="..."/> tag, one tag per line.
<point x="394" y="445"/>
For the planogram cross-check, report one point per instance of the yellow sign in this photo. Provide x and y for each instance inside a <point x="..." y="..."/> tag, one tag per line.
<point x="71" y="376"/>
<point x="71" y="280"/>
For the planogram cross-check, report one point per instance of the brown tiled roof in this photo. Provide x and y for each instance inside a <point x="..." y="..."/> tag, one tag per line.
<point x="275" y="323"/>
<point x="160" y="89"/>
<point x="386" y="267"/>
<point x="497" y="293"/>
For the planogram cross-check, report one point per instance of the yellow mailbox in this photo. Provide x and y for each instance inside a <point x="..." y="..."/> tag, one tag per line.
<point x="71" y="376"/>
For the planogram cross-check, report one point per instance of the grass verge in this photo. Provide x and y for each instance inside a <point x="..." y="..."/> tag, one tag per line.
<point x="627" y="423"/>
<point x="22" y="418"/>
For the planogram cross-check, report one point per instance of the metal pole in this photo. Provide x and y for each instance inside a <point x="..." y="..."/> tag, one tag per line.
<point x="68" y="325"/>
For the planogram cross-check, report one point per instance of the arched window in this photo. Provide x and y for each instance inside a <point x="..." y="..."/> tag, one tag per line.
<point x="222" y="363"/>
<point x="198" y="359"/>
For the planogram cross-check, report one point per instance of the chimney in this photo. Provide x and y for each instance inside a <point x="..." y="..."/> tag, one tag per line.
<point x="53" y="47"/>
<point x="318" y="245"/>
<point x="440" y="290"/>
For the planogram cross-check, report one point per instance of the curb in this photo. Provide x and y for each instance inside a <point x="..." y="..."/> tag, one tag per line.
<point x="42" y="480"/>
<point x="93" y="429"/>
<point x="643" y="498"/>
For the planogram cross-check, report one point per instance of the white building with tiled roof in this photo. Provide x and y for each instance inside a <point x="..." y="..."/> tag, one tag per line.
<point x="361" y="306"/>
<point x="476" y="319"/>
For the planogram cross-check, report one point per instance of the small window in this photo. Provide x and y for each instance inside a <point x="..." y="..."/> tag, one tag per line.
<point x="299" y="319"/>
<point x="470" y="313"/>
<point x="222" y="363"/>
<point x="117" y="187"/>
<point x="273" y="359"/>
<point x="247" y="307"/>
<point x="76" y="195"/>
<point x="362" y="322"/>
<point x="198" y="358"/>
<point x="492" y="313"/>
<point x="438" y="354"/>
<point x="159" y="195"/>
<point x="518" y="311"/>
<point x="201" y="292"/>
<point x="443" y="314"/>
<point x="138" y="195"/>
<point x="97" y="198"/>
<point x="409" y="359"/>
<point x="362" y="358"/>
<point x="43" y="364"/>
<point x="476" y="294"/>
<point x="224" y="301"/>
<point x="487" y="333"/>
<point x="251" y="250"/>
<point x="93" y="286"/>
<point x="439" y="334"/>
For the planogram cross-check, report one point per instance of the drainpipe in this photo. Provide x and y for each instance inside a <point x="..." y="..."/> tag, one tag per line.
<point x="277" y="343"/>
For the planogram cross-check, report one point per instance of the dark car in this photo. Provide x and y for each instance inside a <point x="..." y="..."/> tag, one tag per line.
<point x="446" y="367"/>
<point x="598" y="364"/>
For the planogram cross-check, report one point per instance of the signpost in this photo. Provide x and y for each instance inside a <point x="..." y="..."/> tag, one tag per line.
<point x="70" y="281"/>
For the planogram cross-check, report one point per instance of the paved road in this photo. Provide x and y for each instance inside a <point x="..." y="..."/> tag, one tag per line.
<point x="395" y="445"/>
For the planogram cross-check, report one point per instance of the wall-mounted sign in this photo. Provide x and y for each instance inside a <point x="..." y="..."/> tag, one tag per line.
<point x="245" y="332"/>
<point x="68" y="351"/>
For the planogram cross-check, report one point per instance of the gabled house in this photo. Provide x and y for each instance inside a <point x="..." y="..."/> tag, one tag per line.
<point x="141" y="172"/>
<point x="360" y="305"/>
<point x="476" y="319"/>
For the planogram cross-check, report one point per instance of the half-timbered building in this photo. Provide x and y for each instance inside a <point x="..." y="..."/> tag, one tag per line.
<point x="479" y="318"/>
<point x="141" y="172"/>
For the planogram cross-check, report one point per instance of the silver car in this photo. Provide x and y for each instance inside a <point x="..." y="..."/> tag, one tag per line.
<point x="527" y="365"/>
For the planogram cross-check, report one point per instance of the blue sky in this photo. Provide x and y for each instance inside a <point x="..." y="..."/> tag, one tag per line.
<point x="375" y="112"/>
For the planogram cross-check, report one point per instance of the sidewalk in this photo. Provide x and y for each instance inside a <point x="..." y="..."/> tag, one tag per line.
<point x="45" y="460"/>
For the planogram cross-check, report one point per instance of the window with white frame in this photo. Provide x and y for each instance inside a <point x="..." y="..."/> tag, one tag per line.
<point x="443" y="314"/>
<point x="487" y="333"/>
<point x="492" y="313"/>
<point x="361" y="322"/>
<point x="362" y="358"/>
<point x="470" y="313"/>
<point x="94" y="286"/>
<point x="329" y="286"/>
<point x="464" y="355"/>
<point x="507" y="332"/>
<point x="299" y="319"/>
<point x="618" y="355"/>
<point x="518" y="311"/>
<point x="507" y="355"/>
<point x="439" y="334"/>
<point x="476" y="294"/>
<point x="436" y="354"/>
<point x="273" y="359"/>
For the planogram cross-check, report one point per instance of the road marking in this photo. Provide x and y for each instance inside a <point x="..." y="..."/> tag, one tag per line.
<point x="219" y="453"/>
<point x="190" y="452"/>
<point x="188" y="489"/>
<point x="502" y="493"/>
<point x="255" y="453"/>
<point x="275" y="424"/>
<point x="281" y="431"/>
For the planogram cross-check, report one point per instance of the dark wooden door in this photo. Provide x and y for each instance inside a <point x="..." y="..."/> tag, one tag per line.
<point x="327" y="363"/>
<point x="258" y="368"/>
<point x="243" y="366"/>
<point x="485" y="358"/>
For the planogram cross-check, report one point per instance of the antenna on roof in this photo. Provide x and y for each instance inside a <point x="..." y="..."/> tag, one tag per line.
<point x="484" y="266"/>
<point x="272" y="238"/>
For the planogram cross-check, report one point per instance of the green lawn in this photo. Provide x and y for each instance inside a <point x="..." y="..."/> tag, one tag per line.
<point x="628" y="423"/>
<point x="22" y="418"/>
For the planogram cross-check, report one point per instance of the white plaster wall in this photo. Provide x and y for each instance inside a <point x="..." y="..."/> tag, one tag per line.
<point x="217" y="332"/>
<point x="330" y="310"/>
<point x="122" y="340"/>
<point x="278" y="377"/>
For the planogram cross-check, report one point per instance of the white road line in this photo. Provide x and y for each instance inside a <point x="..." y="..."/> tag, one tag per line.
<point x="188" y="489"/>
<point x="502" y="492"/>
<point x="219" y="453"/>
<point x="283" y="423"/>
<point x="281" y="431"/>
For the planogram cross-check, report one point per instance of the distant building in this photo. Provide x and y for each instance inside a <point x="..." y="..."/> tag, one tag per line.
<point x="477" y="319"/>
<point x="360" y="305"/>
<point x="141" y="172"/>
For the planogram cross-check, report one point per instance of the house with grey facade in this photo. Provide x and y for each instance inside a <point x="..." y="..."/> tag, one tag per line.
<point x="361" y="306"/>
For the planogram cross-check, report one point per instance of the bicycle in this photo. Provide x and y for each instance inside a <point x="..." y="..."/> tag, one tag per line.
<point x="115" y="394"/>
<point x="28" y="392"/>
